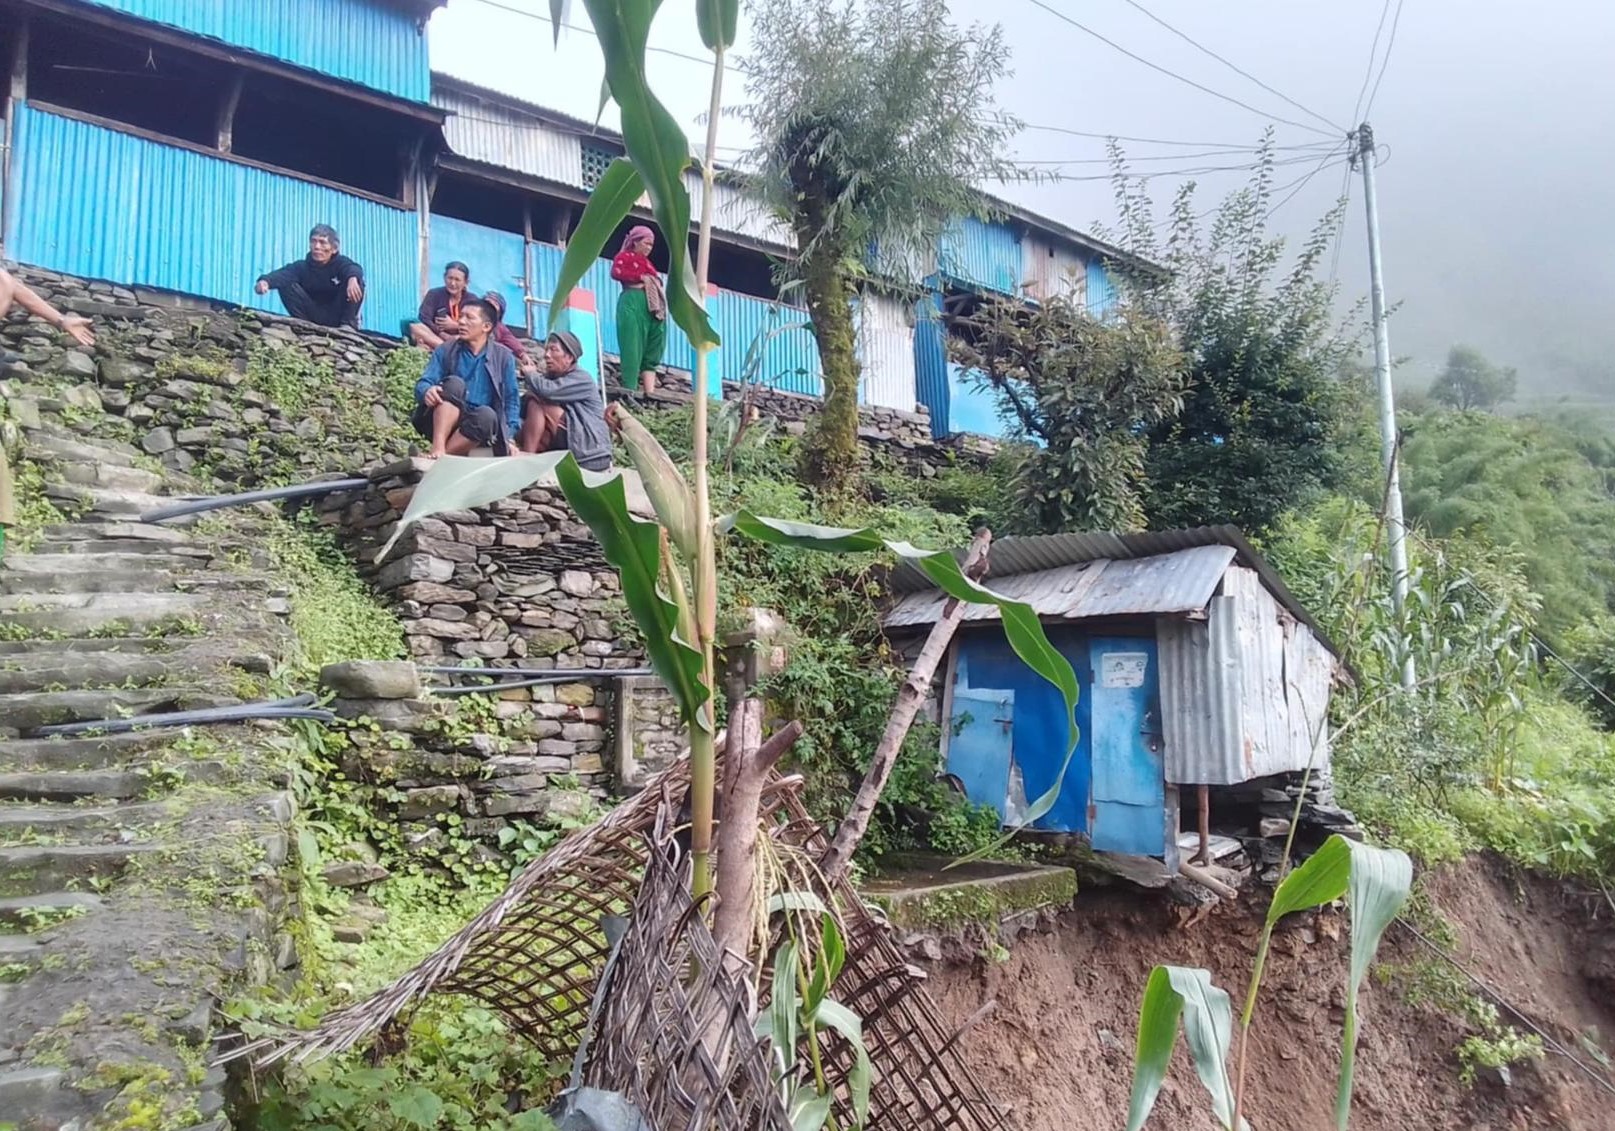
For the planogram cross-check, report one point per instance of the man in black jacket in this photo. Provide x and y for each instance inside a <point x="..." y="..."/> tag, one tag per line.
<point x="326" y="287"/>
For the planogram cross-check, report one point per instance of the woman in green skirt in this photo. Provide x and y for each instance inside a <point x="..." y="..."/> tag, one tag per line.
<point x="641" y="311"/>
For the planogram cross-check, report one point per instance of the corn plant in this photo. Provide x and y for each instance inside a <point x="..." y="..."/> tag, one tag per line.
<point x="1374" y="882"/>
<point x="668" y="568"/>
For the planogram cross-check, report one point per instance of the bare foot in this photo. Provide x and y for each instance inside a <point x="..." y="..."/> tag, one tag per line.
<point x="437" y="453"/>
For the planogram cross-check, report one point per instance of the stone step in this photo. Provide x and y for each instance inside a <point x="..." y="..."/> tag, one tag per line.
<point x="24" y="1090"/>
<point x="86" y="579"/>
<point x="47" y="819"/>
<point x="71" y="785"/>
<point x="67" y="561"/>
<point x="79" y="753"/>
<point x="103" y="474"/>
<point x="78" y="614"/>
<point x="15" y="910"/>
<point x="37" y="869"/>
<point x="34" y="709"/>
<point x="108" y="502"/>
<point x="59" y="447"/>
<point x="130" y="537"/>
<point x="43" y="671"/>
<point x="46" y="649"/>
<point x="24" y="949"/>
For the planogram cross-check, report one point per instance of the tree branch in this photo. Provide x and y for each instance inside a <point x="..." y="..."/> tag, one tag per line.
<point x="909" y="697"/>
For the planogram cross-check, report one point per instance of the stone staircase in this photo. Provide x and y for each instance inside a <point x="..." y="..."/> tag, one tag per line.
<point x="138" y="871"/>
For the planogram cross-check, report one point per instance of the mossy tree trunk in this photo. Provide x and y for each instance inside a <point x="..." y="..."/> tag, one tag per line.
<point x="830" y="455"/>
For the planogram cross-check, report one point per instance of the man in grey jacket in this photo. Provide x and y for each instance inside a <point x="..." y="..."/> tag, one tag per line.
<point x="562" y="408"/>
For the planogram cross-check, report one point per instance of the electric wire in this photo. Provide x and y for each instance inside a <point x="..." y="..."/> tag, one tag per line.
<point x="1340" y="224"/>
<point x="1373" y="51"/>
<point x="685" y="55"/>
<point x="1203" y="49"/>
<point x="1171" y="73"/>
<point x="1390" y="45"/>
<point x="1301" y="182"/>
<point x="1163" y="141"/>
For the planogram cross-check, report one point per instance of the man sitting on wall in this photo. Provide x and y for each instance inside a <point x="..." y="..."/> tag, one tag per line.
<point x="563" y="409"/>
<point x="325" y="288"/>
<point x="468" y="397"/>
<point x="440" y="308"/>
<point x="506" y="337"/>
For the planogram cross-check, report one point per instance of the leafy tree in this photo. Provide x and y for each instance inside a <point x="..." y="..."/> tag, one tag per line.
<point x="1267" y="406"/>
<point x="1471" y="382"/>
<point x="1089" y="391"/>
<point x="874" y="121"/>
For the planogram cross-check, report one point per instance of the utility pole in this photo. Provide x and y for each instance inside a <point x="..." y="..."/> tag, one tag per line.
<point x="1387" y="400"/>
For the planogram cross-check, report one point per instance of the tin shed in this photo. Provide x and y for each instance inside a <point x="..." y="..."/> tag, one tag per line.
<point x="1197" y="667"/>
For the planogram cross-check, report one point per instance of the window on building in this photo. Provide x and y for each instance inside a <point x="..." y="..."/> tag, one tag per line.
<point x="595" y="163"/>
<point x="123" y="79"/>
<point x="478" y="202"/>
<point x="311" y="130"/>
<point x="743" y="270"/>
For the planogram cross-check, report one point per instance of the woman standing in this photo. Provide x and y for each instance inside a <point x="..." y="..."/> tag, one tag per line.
<point x="641" y="311"/>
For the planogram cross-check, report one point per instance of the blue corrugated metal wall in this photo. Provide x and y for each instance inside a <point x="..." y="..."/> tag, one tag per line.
<point x="1101" y="289"/>
<point x="983" y="254"/>
<point x="495" y="258"/>
<point x="931" y="384"/>
<point x="361" y="41"/>
<point x="107" y="205"/>
<point x="971" y="408"/>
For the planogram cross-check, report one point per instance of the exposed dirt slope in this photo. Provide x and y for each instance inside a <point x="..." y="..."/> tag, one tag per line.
<point x="1058" y="1046"/>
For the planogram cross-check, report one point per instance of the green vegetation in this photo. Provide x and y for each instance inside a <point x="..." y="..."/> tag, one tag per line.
<point x="334" y="615"/>
<point x="1469" y="381"/>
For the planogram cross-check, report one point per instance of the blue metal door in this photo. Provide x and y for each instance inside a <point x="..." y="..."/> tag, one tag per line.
<point x="1128" y="812"/>
<point x="980" y="747"/>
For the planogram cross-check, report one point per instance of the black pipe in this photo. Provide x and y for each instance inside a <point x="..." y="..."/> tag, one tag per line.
<point x="295" y="707"/>
<point x="246" y="498"/>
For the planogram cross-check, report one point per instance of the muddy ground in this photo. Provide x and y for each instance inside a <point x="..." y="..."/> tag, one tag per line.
<point x="1056" y="1049"/>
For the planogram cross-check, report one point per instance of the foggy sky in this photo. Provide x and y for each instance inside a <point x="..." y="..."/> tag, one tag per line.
<point x="1495" y="196"/>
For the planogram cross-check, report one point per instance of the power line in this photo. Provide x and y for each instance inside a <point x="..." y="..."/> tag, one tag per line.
<point x="1055" y="12"/>
<point x="1300" y="183"/>
<point x="1390" y="45"/>
<point x="1165" y="141"/>
<point x="1232" y="66"/>
<point x="1340" y="225"/>
<point x="1294" y="160"/>
<point x="542" y="18"/>
<point x="1373" y="50"/>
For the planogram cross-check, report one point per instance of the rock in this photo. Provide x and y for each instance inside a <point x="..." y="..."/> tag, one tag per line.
<point x="575" y="694"/>
<point x="576" y="582"/>
<point x="372" y="679"/>
<point x="76" y="363"/>
<point x="1271" y="827"/>
<point x="549" y="642"/>
<point x="157" y="441"/>
<point x="118" y="372"/>
<point x="425" y="802"/>
<point x="194" y="437"/>
<point x="24" y="412"/>
<point x="354" y="873"/>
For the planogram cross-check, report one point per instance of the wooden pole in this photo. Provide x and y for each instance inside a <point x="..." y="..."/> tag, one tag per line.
<point x="909" y="697"/>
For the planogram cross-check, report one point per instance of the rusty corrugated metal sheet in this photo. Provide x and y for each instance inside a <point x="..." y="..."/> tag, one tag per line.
<point x="108" y="205"/>
<point x="886" y="351"/>
<point x="380" y="46"/>
<point x="492" y="131"/>
<point x="1178" y="582"/>
<point x="1052" y="268"/>
<point x="1200" y="697"/>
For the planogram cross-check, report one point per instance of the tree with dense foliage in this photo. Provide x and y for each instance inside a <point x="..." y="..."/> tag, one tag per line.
<point x="1469" y="381"/>
<point x="1268" y="404"/>
<point x="874" y="123"/>
<point x="1088" y="391"/>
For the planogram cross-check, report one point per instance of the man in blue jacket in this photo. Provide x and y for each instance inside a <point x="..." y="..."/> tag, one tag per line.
<point x="468" y="397"/>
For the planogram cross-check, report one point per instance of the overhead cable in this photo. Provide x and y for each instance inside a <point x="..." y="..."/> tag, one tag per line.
<point x="1373" y="52"/>
<point x="1203" y="49"/>
<point x="1055" y="12"/>
<point x="1390" y="45"/>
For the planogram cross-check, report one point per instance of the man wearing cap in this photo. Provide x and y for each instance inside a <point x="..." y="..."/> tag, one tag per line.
<point x="468" y="397"/>
<point x="324" y="287"/>
<point x="563" y="409"/>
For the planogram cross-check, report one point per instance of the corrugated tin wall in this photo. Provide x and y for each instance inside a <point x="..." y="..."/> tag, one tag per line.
<point x="497" y="260"/>
<point x="886" y="351"/>
<point x="361" y="41"/>
<point x="496" y="135"/>
<point x="983" y="254"/>
<point x="735" y="212"/>
<point x="108" y="205"/>
<point x="931" y="383"/>
<point x="1200" y="697"/>
<point x="1101" y="289"/>
<point x="1050" y="269"/>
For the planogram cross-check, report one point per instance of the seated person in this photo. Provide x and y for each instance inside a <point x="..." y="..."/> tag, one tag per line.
<point x="506" y="337"/>
<point x="325" y="288"/>
<point x="563" y="409"/>
<point x="440" y="308"/>
<point x="468" y="396"/>
<point x="13" y="289"/>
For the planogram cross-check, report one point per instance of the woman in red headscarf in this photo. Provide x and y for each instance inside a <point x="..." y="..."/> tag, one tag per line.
<point x="641" y="311"/>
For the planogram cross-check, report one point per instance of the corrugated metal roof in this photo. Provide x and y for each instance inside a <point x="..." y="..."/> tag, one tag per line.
<point x="1178" y="582"/>
<point x="1012" y="556"/>
<point x="492" y="131"/>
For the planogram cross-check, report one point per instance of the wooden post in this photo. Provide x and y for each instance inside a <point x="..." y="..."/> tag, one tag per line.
<point x="909" y="697"/>
<point x="226" y="122"/>
<point x="15" y="94"/>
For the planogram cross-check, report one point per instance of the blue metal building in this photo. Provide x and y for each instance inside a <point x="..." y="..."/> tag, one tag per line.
<point x="1197" y="668"/>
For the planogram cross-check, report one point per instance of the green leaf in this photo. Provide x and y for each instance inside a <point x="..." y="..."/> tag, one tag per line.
<point x="1175" y="992"/>
<point x="827" y="963"/>
<point x="797" y="901"/>
<point x="658" y="149"/>
<point x="808" y="1110"/>
<point x="831" y="1014"/>
<point x="612" y="199"/>
<point x="1322" y="879"/>
<point x="416" y="1106"/>
<point x="717" y="20"/>
<point x="1380" y="881"/>
<point x="557" y="11"/>
<point x="630" y="543"/>
<point x="1022" y="628"/>
<point x="782" y="1003"/>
